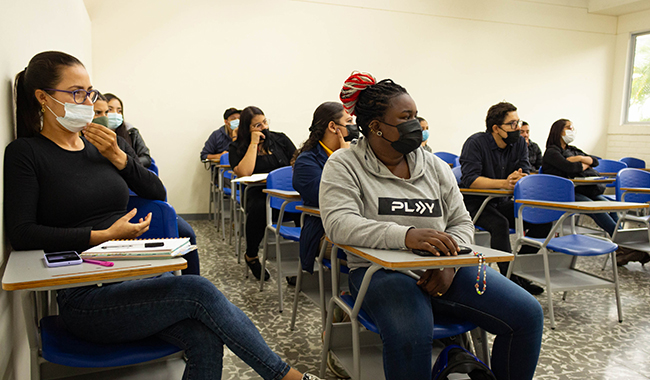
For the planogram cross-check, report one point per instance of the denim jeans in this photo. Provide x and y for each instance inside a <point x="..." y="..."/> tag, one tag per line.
<point x="187" y="311"/>
<point x="404" y="315"/>
<point x="605" y="221"/>
<point x="192" y="258"/>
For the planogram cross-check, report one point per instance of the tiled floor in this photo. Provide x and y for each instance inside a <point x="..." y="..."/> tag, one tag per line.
<point x="588" y="343"/>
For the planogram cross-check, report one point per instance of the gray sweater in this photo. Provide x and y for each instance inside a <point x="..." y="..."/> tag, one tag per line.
<point x="363" y="204"/>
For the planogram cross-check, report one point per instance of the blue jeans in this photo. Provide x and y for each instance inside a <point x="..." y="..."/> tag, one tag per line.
<point x="405" y="316"/>
<point x="187" y="311"/>
<point x="605" y="221"/>
<point x="192" y="258"/>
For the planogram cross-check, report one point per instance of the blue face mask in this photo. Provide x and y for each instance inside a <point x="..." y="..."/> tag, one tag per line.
<point x="114" y="120"/>
<point x="425" y="135"/>
<point x="234" y="124"/>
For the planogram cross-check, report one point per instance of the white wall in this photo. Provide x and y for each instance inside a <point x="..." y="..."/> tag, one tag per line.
<point x="178" y="65"/>
<point x="626" y="139"/>
<point x="28" y="28"/>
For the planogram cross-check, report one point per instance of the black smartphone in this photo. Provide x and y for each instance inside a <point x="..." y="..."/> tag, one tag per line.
<point x="463" y="251"/>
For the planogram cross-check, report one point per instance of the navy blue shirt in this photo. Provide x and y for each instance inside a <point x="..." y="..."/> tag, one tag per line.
<point x="307" y="171"/>
<point x="217" y="142"/>
<point x="482" y="157"/>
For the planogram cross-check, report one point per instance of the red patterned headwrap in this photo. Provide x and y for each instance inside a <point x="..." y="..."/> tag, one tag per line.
<point x="352" y="87"/>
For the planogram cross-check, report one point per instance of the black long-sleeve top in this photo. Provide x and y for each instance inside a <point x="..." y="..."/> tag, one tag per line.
<point x="555" y="161"/>
<point x="54" y="198"/>
<point x="280" y="149"/>
<point x="534" y="155"/>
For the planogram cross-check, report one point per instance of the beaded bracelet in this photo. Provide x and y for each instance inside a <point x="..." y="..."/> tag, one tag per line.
<point x="481" y="261"/>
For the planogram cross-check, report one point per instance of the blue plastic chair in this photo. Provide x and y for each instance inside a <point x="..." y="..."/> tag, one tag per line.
<point x="632" y="162"/>
<point x="153" y="167"/>
<point x="457" y="173"/>
<point x="224" y="191"/>
<point x="449" y="158"/>
<point x="543" y="187"/>
<point x="279" y="179"/>
<point x="59" y="346"/>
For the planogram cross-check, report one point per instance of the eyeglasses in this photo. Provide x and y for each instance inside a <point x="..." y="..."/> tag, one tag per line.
<point x="265" y="122"/>
<point x="514" y="124"/>
<point x="79" y="95"/>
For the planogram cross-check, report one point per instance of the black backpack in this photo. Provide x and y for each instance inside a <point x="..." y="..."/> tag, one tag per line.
<point x="455" y="359"/>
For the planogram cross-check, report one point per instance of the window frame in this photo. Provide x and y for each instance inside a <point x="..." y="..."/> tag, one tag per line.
<point x="630" y="73"/>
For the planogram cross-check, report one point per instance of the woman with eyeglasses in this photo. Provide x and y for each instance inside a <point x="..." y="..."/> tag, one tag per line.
<point x="67" y="192"/>
<point x="564" y="160"/>
<point x="331" y="129"/>
<point x="258" y="150"/>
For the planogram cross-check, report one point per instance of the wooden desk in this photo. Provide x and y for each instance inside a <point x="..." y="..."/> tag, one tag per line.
<point x="584" y="207"/>
<point x="592" y="181"/>
<point x="290" y="195"/>
<point x="313" y="211"/>
<point x="26" y="270"/>
<point x="398" y="259"/>
<point x="489" y="194"/>
<point x="639" y="190"/>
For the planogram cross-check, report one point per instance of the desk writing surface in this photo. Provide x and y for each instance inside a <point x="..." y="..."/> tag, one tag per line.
<point x="284" y="194"/>
<point x="487" y="192"/>
<point x="642" y="190"/>
<point x="309" y="210"/>
<point x="584" y="206"/>
<point x="403" y="259"/>
<point x="590" y="181"/>
<point x="27" y="270"/>
<point x="255" y="178"/>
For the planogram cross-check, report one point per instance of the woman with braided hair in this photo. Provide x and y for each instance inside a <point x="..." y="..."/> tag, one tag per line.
<point x="331" y="129"/>
<point x="359" y="189"/>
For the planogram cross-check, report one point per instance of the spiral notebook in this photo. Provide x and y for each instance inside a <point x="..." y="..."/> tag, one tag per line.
<point x="140" y="249"/>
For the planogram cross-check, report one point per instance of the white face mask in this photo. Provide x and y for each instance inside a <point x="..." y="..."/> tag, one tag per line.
<point x="77" y="116"/>
<point x="114" y="120"/>
<point x="569" y="136"/>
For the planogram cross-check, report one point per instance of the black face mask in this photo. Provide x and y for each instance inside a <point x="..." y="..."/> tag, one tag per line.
<point x="410" y="136"/>
<point x="512" y="138"/>
<point x="353" y="132"/>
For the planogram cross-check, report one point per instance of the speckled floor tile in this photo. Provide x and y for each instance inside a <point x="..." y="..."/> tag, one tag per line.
<point x="588" y="342"/>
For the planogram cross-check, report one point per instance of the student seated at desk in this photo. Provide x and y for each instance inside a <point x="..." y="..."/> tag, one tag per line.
<point x="497" y="159"/>
<point x="67" y="192"/>
<point x="361" y="192"/>
<point x="219" y="141"/>
<point x="425" y="134"/>
<point x="534" y="153"/>
<point x="184" y="229"/>
<point x="564" y="160"/>
<point x="331" y="129"/>
<point x="258" y="150"/>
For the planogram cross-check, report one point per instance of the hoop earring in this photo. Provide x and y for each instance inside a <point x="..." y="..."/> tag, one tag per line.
<point x="379" y="133"/>
<point x="43" y="107"/>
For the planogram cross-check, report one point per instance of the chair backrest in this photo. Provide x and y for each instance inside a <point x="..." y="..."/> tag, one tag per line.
<point x="153" y="167"/>
<point x="225" y="160"/>
<point x="449" y="158"/>
<point x="282" y="179"/>
<point x="540" y="170"/>
<point x="543" y="187"/>
<point x="163" y="217"/>
<point x="632" y="178"/>
<point x="633" y="162"/>
<point x="457" y="173"/>
<point x="610" y="166"/>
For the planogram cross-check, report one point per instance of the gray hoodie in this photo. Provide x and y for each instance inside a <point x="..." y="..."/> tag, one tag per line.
<point x="363" y="204"/>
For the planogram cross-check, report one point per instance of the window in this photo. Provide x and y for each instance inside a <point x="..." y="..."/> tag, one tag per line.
<point x="638" y="101"/>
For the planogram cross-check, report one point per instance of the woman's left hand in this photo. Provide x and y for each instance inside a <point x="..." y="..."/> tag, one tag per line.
<point x="436" y="282"/>
<point x="105" y="141"/>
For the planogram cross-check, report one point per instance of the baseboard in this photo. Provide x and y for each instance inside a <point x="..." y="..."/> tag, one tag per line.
<point x="205" y="216"/>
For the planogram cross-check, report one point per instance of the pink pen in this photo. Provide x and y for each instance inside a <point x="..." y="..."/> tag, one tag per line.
<point x="102" y="263"/>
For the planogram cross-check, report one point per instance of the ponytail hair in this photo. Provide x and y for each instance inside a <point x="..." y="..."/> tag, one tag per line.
<point x="43" y="71"/>
<point x="368" y="100"/>
<point x="326" y="112"/>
